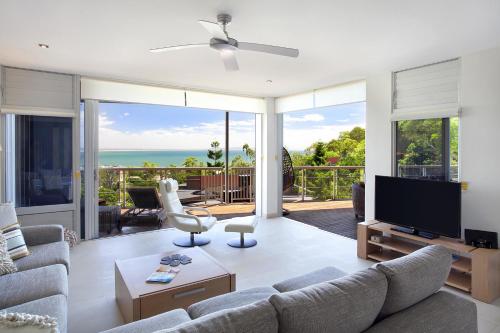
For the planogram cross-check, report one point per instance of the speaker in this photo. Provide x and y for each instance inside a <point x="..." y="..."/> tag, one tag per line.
<point x="482" y="239"/>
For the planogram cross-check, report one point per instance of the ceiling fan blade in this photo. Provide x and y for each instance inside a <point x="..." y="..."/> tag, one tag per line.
<point x="176" y="47"/>
<point x="229" y="60"/>
<point x="214" y="29"/>
<point x="278" y="50"/>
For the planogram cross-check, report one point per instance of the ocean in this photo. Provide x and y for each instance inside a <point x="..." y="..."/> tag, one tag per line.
<point x="164" y="158"/>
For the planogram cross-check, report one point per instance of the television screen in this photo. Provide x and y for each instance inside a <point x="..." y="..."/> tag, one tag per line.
<point x="424" y="205"/>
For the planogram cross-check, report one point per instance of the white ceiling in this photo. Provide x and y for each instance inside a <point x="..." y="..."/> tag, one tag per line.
<point x="338" y="40"/>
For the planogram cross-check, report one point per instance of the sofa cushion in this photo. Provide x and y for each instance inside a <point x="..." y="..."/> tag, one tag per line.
<point x="414" y="277"/>
<point x="348" y="304"/>
<point x="231" y="300"/>
<point x="43" y="234"/>
<point x="45" y="255"/>
<point x="53" y="306"/>
<point x="26" y="286"/>
<point x="162" y="321"/>
<point x="321" y="275"/>
<point x="442" y="312"/>
<point x="258" y="317"/>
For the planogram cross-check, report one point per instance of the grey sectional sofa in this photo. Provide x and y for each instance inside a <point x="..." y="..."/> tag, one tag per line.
<point x="402" y="295"/>
<point x="40" y="286"/>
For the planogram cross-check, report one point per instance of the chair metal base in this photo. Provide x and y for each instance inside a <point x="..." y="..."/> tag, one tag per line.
<point x="242" y="242"/>
<point x="191" y="241"/>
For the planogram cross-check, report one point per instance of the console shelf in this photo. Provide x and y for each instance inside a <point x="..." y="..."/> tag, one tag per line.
<point x="474" y="270"/>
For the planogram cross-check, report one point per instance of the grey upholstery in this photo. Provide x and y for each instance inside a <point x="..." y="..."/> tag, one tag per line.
<point x="414" y="277"/>
<point x="231" y="300"/>
<point x="43" y="234"/>
<point x="352" y="303"/>
<point x="443" y="312"/>
<point x="348" y="304"/>
<point x="53" y="306"/>
<point x="45" y="255"/>
<point x="321" y="275"/>
<point x="26" y="286"/>
<point x="258" y="317"/>
<point x="149" y="325"/>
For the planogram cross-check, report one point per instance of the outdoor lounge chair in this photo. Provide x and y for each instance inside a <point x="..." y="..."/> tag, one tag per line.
<point x="147" y="208"/>
<point x="179" y="218"/>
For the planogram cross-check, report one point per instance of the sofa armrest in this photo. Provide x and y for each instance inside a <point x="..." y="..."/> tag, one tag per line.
<point x="441" y="312"/>
<point x="43" y="234"/>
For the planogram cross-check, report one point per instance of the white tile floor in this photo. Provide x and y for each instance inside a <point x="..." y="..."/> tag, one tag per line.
<point x="286" y="248"/>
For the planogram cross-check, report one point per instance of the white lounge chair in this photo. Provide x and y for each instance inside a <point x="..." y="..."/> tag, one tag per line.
<point x="179" y="218"/>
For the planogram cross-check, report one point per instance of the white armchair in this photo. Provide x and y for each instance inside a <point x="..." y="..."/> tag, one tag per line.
<point x="179" y="218"/>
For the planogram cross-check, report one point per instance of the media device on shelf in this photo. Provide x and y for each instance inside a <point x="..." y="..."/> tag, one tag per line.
<point x="481" y="239"/>
<point x="426" y="208"/>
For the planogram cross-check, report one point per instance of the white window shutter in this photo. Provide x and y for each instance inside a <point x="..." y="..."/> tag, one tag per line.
<point x="430" y="91"/>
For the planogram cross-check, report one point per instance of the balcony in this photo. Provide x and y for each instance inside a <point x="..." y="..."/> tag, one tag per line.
<point x="317" y="195"/>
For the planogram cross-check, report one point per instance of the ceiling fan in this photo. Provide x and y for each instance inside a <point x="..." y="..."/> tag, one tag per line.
<point x="226" y="46"/>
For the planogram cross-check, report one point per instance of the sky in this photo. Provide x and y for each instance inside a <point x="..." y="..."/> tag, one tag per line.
<point x="151" y="127"/>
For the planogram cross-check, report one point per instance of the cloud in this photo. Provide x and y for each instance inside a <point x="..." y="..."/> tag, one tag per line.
<point x="174" y="138"/>
<point x="311" y="117"/>
<point x="104" y="121"/>
<point x="126" y="114"/>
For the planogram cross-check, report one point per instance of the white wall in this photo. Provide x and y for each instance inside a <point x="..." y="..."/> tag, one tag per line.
<point x="378" y="135"/>
<point x="479" y="140"/>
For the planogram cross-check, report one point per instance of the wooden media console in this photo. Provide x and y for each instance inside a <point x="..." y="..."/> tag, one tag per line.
<point x="474" y="270"/>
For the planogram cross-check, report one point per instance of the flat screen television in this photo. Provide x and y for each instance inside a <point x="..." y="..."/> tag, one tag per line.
<point x="424" y="207"/>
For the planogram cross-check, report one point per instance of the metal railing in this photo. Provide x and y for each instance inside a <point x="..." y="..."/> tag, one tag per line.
<point x="325" y="182"/>
<point x="196" y="184"/>
<point x="200" y="184"/>
<point x="432" y="171"/>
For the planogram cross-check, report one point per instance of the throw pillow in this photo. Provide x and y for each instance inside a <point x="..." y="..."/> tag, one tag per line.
<point x="15" y="241"/>
<point x="12" y="232"/>
<point x="8" y="215"/>
<point x="27" y="323"/>
<point x="6" y="264"/>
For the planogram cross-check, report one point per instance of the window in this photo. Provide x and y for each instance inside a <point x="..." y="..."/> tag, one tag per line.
<point x="43" y="161"/>
<point x="427" y="148"/>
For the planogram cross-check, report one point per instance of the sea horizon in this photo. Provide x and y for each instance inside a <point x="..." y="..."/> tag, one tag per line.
<point x="163" y="157"/>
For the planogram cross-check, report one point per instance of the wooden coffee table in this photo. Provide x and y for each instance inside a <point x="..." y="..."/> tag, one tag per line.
<point x="203" y="278"/>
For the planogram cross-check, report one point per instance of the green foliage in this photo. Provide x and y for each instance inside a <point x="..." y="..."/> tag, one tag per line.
<point x="319" y="155"/>
<point x="215" y="154"/>
<point x="192" y="162"/>
<point x="249" y="152"/>
<point x="419" y="142"/>
<point x="349" y="148"/>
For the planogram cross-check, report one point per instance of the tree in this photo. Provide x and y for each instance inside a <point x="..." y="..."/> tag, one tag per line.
<point x="249" y="152"/>
<point x="191" y="161"/>
<point x="215" y="154"/>
<point x="239" y="161"/>
<point x="319" y="155"/>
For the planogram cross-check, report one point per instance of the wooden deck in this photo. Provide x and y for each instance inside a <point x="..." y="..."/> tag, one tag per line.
<point x="333" y="216"/>
<point x="247" y="208"/>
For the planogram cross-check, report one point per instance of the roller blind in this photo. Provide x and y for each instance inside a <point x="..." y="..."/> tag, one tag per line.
<point x="103" y="90"/>
<point x="351" y="92"/>
<point x="206" y="100"/>
<point x="427" y="92"/>
<point x="295" y="102"/>
<point x="113" y="91"/>
<point x="32" y="92"/>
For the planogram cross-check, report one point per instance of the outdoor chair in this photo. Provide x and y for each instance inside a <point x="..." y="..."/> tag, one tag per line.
<point x="147" y="208"/>
<point x="179" y="218"/>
